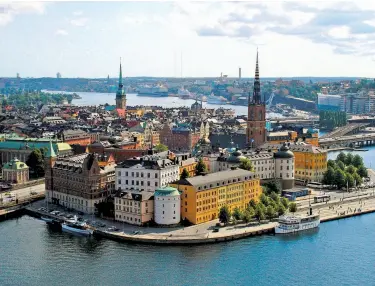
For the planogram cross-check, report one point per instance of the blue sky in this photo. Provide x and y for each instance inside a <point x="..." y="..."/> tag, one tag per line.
<point x="86" y="39"/>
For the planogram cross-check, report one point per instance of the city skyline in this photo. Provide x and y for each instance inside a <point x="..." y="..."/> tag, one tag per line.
<point x="87" y="39"/>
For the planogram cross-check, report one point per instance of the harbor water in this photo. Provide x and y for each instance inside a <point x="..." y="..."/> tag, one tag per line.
<point x="95" y="98"/>
<point x="339" y="253"/>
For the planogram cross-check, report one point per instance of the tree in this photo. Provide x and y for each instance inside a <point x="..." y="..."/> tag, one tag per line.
<point x="224" y="215"/>
<point x="270" y="212"/>
<point x="357" y="161"/>
<point x="349" y="159"/>
<point x="341" y="165"/>
<point x="35" y="161"/>
<point x="184" y="174"/>
<point x="329" y="176"/>
<point x="331" y="163"/>
<point x="293" y="207"/>
<point x="349" y="180"/>
<point x="285" y="202"/>
<point x="246" y="164"/>
<point x="281" y="209"/>
<point x="275" y="197"/>
<point x="340" y="180"/>
<point x="357" y="178"/>
<point x="260" y="212"/>
<point x="264" y="199"/>
<point x="200" y="168"/>
<point x="341" y="157"/>
<point x="362" y="171"/>
<point x="273" y="187"/>
<point x="237" y="214"/>
<point x="161" y="148"/>
<point x="351" y="169"/>
<point x="252" y="204"/>
<point x="248" y="215"/>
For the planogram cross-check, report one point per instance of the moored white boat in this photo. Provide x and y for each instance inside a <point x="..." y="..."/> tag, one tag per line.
<point x="46" y="219"/>
<point x="292" y="224"/>
<point x="76" y="227"/>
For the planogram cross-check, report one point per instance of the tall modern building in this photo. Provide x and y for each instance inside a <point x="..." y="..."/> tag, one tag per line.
<point x="120" y="94"/>
<point x="256" y="118"/>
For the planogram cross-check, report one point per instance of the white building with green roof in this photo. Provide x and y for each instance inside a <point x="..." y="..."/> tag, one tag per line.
<point x="167" y="206"/>
<point x="16" y="171"/>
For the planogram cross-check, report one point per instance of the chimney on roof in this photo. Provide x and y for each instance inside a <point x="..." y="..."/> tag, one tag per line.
<point x="163" y="163"/>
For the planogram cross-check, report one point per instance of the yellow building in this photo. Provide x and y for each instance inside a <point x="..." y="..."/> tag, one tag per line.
<point x="310" y="162"/>
<point x="281" y="137"/>
<point x="203" y="196"/>
<point x="187" y="163"/>
<point x="135" y="111"/>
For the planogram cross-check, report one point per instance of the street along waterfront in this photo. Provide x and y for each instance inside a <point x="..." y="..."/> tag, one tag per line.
<point x="35" y="255"/>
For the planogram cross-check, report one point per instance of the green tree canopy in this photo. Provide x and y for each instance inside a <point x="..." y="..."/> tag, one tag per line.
<point x="270" y="212"/>
<point x="264" y="199"/>
<point x="200" y="168"/>
<point x="260" y="212"/>
<point x="252" y="204"/>
<point x="292" y="207"/>
<point x="357" y="161"/>
<point x="341" y="165"/>
<point x="341" y="157"/>
<point x="273" y="186"/>
<point x="340" y="180"/>
<point x="349" y="180"/>
<point x="329" y="176"/>
<point x="351" y="169"/>
<point x="246" y="164"/>
<point x="184" y="174"/>
<point x="285" y="202"/>
<point x="362" y="171"/>
<point x="281" y="209"/>
<point x="248" y="215"/>
<point x="161" y="148"/>
<point x="349" y="159"/>
<point x="224" y="215"/>
<point x="237" y="214"/>
<point x="35" y="161"/>
<point x="357" y="178"/>
<point x="331" y="163"/>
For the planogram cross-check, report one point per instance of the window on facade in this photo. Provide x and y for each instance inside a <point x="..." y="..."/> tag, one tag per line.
<point x="156" y="184"/>
<point x="148" y="175"/>
<point x="156" y="175"/>
<point x="119" y="181"/>
<point x="126" y="182"/>
<point x="148" y="183"/>
<point x="132" y="174"/>
<point x="126" y="174"/>
<point x="119" y="173"/>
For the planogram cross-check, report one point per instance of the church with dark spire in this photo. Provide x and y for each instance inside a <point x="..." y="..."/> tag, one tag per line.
<point x="120" y="94"/>
<point x="256" y="117"/>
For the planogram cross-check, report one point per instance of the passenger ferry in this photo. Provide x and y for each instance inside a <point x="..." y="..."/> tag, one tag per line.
<point x="76" y="227"/>
<point x="291" y="224"/>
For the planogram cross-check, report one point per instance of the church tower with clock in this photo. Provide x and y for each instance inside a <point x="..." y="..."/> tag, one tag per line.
<point x="256" y="118"/>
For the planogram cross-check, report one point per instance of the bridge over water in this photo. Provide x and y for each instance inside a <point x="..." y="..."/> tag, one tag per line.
<point x="357" y="140"/>
<point x="350" y="129"/>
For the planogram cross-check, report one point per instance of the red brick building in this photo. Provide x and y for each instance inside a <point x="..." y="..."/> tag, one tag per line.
<point x="178" y="138"/>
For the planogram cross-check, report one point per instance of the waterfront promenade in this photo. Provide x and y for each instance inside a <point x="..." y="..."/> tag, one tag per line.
<point x="203" y="233"/>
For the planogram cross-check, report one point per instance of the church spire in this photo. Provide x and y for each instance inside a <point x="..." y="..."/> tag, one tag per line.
<point x="120" y="85"/>
<point x="256" y="91"/>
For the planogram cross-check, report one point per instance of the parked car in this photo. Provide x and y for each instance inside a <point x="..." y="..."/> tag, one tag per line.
<point x="80" y="213"/>
<point x="69" y="216"/>
<point x="113" y="228"/>
<point x="33" y="193"/>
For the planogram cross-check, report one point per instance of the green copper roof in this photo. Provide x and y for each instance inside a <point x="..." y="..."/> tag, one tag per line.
<point x="34" y="144"/>
<point x="120" y="90"/>
<point x="15" y="164"/>
<point x="50" y="153"/>
<point x="167" y="191"/>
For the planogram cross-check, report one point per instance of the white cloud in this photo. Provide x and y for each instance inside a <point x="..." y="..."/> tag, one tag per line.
<point x="62" y="32"/>
<point x="341" y="32"/>
<point x="8" y="11"/>
<point x="77" y="13"/>
<point x="79" y="22"/>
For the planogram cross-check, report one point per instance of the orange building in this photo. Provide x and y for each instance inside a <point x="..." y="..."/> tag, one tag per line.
<point x="203" y="196"/>
<point x="77" y="137"/>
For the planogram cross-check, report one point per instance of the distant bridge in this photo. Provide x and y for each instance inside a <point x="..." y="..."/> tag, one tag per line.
<point x="348" y="141"/>
<point x="350" y="129"/>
